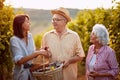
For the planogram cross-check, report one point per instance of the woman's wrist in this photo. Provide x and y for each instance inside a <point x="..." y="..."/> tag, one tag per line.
<point x="99" y="74"/>
<point x="37" y="53"/>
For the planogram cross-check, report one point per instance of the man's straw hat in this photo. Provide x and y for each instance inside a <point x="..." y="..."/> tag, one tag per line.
<point x="62" y="11"/>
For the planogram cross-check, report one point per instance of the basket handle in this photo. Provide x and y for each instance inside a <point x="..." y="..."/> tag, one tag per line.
<point x="43" y="60"/>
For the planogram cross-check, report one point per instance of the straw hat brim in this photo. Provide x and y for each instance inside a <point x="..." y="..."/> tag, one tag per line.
<point x="61" y="13"/>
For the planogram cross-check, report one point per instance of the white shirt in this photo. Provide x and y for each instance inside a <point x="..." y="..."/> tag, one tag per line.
<point x="92" y="62"/>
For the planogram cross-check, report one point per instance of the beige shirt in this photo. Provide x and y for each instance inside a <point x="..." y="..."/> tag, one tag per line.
<point x="63" y="48"/>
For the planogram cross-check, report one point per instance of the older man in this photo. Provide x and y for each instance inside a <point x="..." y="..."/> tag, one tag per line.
<point x="64" y="44"/>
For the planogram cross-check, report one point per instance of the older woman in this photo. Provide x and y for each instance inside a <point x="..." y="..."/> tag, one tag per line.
<point x="101" y="63"/>
<point x="23" y="48"/>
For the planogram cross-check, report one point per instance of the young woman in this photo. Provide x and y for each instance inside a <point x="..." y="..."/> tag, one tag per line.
<point x="23" y="48"/>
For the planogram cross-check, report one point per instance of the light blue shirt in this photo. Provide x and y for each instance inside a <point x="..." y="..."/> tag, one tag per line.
<point x="20" y="49"/>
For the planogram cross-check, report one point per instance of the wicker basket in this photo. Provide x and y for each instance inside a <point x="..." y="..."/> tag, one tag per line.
<point x="41" y="60"/>
<point x="55" y="74"/>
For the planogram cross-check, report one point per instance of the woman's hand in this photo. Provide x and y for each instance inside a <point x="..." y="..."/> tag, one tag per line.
<point x="43" y="52"/>
<point x="94" y="74"/>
